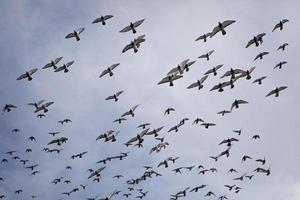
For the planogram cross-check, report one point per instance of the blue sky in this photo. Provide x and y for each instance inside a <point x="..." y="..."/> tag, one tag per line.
<point x="33" y="33"/>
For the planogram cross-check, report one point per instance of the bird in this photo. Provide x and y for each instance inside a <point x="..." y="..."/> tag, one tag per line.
<point x="239" y="132"/>
<point x="132" y="26"/>
<point x="119" y="120"/>
<point x="230" y="187"/>
<point x="198" y="84"/>
<point x="255" y="137"/>
<point x="179" y="68"/>
<point x="197" y="120"/>
<point x="170" y="79"/>
<point x="261" y="55"/>
<point x="245" y="157"/>
<point x="262" y="161"/>
<point x="130" y="112"/>
<point x="232" y="73"/>
<point x="258" y="39"/>
<point x="280" y="64"/>
<point x="203" y="37"/>
<point x="102" y="19"/>
<point x="32" y="138"/>
<point x="16" y="130"/>
<point x="143" y="126"/>
<point x="246" y="73"/>
<point x="53" y="133"/>
<point x="41" y="115"/>
<point x="232" y="170"/>
<point x="213" y="70"/>
<point x="53" y="63"/>
<point x="135" y="44"/>
<point x="28" y="74"/>
<point x="115" y="96"/>
<point x="109" y="70"/>
<point x="223" y="112"/>
<point x="206" y="55"/>
<point x="236" y="103"/>
<point x="8" y="107"/>
<point x="276" y="91"/>
<point x="168" y="111"/>
<point x="65" y="67"/>
<point x="207" y="125"/>
<point x="44" y="107"/>
<point x="280" y="24"/>
<point x="259" y="80"/>
<point x="221" y="27"/>
<point x="75" y="34"/>
<point x="282" y="47"/>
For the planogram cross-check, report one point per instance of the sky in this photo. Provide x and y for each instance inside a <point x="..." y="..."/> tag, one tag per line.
<point x="33" y="33"/>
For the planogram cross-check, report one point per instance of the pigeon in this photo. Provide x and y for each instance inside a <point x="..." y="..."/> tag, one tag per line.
<point x="198" y="84"/>
<point x="109" y="70"/>
<point x="280" y="24"/>
<point x="213" y="70"/>
<point x="65" y="67"/>
<point x="203" y="37"/>
<point x="168" y="111"/>
<point x="236" y="103"/>
<point x="115" y="96"/>
<point x="53" y="63"/>
<point x="8" y="107"/>
<point x="221" y="27"/>
<point x="276" y="91"/>
<point x="135" y="44"/>
<point x="102" y="19"/>
<point x="75" y="34"/>
<point x="206" y="55"/>
<point x="258" y="39"/>
<point x="44" y="107"/>
<point x="282" y="47"/>
<point x="130" y="112"/>
<point x="259" y="80"/>
<point x="261" y="55"/>
<point x="170" y="79"/>
<point x="132" y="26"/>
<point x="28" y="74"/>
<point x="280" y="64"/>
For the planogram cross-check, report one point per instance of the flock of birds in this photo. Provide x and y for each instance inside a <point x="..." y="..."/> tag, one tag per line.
<point x="95" y="175"/>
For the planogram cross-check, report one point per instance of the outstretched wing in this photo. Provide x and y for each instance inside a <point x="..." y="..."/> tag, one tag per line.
<point x="70" y="35"/>
<point x="22" y="77"/>
<point x="103" y="73"/>
<point x="137" y="23"/>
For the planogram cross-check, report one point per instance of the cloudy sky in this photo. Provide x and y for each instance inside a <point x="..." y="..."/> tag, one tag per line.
<point x="33" y="33"/>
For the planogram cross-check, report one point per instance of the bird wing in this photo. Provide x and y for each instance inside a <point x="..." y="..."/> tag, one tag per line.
<point x="249" y="43"/>
<point x="137" y="23"/>
<point x="22" y="76"/>
<point x="70" y="35"/>
<point x="106" y="17"/>
<point x="114" y="66"/>
<point x="110" y="97"/>
<point x="203" y="79"/>
<point x="126" y="29"/>
<point x="214" y="31"/>
<point x="103" y="73"/>
<point x="69" y="63"/>
<point x="56" y="60"/>
<point x="192" y="85"/>
<point x="80" y="30"/>
<point x="60" y="68"/>
<point x="227" y="23"/>
<point x="118" y="93"/>
<point x="48" y="104"/>
<point x="127" y="47"/>
<point x="282" y="88"/>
